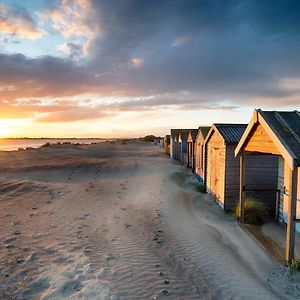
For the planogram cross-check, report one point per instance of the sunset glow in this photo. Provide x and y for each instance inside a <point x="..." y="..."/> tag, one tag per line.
<point x="106" y="69"/>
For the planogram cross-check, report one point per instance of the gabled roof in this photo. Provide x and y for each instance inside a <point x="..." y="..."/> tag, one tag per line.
<point x="192" y="135"/>
<point x="230" y="133"/>
<point x="175" y="132"/>
<point x="183" y="134"/>
<point x="283" y="127"/>
<point x="204" y="130"/>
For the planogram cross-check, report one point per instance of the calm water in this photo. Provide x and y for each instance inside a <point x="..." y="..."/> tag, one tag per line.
<point x="15" y="144"/>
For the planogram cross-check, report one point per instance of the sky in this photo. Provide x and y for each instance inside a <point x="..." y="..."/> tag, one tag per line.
<point x="127" y="68"/>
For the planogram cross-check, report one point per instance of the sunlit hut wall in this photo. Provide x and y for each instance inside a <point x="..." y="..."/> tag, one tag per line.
<point x="221" y="166"/>
<point x="191" y="140"/>
<point x="167" y="144"/>
<point x="276" y="134"/>
<point x="199" y="152"/>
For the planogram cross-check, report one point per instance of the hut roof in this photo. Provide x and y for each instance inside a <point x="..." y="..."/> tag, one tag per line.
<point x="174" y="132"/>
<point x="231" y="133"/>
<point x="283" y="128"/>
<point x="183" y="134"/>
<point x="287" y="126"/>
<point x="193" y="134"/>
<point x="204" y="130"/>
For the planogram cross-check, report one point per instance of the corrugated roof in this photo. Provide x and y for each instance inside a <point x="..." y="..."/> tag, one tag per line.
<point x="231" y="133"/>
<point x="286" y="125"/>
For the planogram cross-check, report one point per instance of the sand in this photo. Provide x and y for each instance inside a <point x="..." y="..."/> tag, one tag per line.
<point x="122" y="221"/>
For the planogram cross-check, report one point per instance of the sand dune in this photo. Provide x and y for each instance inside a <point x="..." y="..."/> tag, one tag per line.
<point x="122" y="221"/>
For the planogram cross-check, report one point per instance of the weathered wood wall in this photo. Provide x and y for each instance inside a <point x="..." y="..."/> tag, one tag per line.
<point x="232" y="178"/>
<point x="261" y="173"/>
<point x="260" y="141"/>
<point x="199" y="157"/>
<point x="215" y="167"/>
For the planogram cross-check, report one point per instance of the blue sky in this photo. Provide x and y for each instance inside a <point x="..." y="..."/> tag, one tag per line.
<point x="133" y="67"/>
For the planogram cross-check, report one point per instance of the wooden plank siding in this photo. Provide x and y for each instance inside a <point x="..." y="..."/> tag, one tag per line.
<point x="259" y="141"/>
<point x="261" y="173"/>
<point x="215" y="173"/>
<point x="199" y="157"/>
<point x="232" y="178"/>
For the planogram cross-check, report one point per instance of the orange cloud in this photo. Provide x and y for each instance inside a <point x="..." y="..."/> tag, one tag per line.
<point x="17" y="22"/>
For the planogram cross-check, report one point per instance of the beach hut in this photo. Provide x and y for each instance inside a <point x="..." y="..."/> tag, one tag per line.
<point x="167" y="144"/>
<point x="182" y="147"/>
<point x="173" y="143"/>
<point x="221" y="167"/>
<point x="191" y="142"/>
<point x="199" y="152"/>
<point x="276" y="134"/>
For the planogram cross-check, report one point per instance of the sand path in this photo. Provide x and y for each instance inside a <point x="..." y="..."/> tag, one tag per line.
<point x="121" y="221"/>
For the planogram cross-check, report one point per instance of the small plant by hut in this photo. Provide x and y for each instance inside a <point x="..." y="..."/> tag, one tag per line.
<point x="200" y="187"/>
<point x="254" y="212"/>
<point x="294" y="266"/>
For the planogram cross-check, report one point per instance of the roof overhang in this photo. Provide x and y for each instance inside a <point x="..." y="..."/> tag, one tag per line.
<point x="284" y="149"/>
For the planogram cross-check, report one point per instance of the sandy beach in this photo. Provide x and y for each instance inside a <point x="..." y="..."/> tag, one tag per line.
<point x="120" y="220"/>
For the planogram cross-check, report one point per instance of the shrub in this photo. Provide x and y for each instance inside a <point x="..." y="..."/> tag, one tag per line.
<point x="149" y="138"/>
<point x="200" y="187"/>
<point x="294" y="266"/>
<point x="254" y="212"/>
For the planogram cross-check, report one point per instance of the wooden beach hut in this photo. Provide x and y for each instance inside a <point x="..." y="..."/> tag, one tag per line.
<point x="182" y="146"/>
<point x="276" y="134"/>
<point x="221" y="167"/>
<point x="167" y="144"/>
<point x="199" y="152"/>
<point x="191" y="142"/>
<point x="173" y="143"/>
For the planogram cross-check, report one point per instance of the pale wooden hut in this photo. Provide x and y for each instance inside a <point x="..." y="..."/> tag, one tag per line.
<point x="167" y="144"/>
<point x="191" y="142"/>
<point x="276" y="134"/>
<point x="221" y="167"/>
<point x="199" y="152"/>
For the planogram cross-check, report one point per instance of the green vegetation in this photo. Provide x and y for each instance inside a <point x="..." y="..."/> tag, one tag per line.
<point x="149" y="138"/>
<point x="200" y="187"/>
<point x="254" y="212"/>
<point x="294" y="267"/>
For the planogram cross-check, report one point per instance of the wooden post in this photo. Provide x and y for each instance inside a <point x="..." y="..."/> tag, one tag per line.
<point x="291" y="224"/>
<point x="242" y="182"/>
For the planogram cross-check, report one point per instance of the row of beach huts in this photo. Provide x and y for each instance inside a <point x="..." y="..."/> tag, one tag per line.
<point x="259" y="160"/>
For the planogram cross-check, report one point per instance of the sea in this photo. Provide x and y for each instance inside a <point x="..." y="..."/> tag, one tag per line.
<point x="17" y="144"/>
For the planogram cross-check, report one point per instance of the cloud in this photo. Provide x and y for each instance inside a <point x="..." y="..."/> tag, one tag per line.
<point x="73" y="50"/>
<point x="16" y="21"/>
<point x="73" y="19"/>
<point x="184" y="55"/>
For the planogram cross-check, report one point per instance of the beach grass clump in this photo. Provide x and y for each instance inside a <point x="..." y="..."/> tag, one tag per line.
<point x="255" y="212"/>
<point x="200" y="187"/>
<point x="294" y="266"/>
